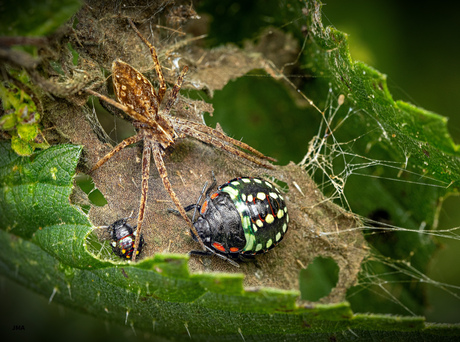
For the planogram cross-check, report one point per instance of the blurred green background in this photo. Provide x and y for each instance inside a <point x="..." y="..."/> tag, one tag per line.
<point x="415" y="44"/>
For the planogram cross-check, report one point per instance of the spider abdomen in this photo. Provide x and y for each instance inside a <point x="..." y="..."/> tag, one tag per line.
<point x="123" y="237"/>
<point x="245" y="216"/>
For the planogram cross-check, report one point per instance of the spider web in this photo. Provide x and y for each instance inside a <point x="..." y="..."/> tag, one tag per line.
<point x="334" y="163"/>
<point x="361" y="168"/>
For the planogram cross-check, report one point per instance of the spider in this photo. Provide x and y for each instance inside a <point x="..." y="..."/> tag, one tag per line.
<point x="158" y="130"/>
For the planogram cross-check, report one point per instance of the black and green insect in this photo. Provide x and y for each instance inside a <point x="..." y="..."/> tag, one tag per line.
<point x="244" y="217"/>
<point x="123" y="237"/>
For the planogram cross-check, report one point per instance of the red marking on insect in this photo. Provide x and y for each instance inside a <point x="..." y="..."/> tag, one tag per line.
<point x="214" y="195"/>
<point x="234" y="249"/>
<point x="271" y="208"/>
<point x="219" y="247"/>
<point x="204" y="207"/>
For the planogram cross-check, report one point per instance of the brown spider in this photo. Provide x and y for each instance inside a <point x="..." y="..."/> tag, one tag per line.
<point x="138" y="98"/>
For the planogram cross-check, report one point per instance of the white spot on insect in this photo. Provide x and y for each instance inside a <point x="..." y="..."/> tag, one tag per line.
<point x="257" y="180"/>
<point x="254" y="228"/>
<point x="235" y="183"/>
<point x="232" y="192"/>
<point x="243" y="197"/>
<point x="269" y="218"/>
<point x="123" y="87"/>
<point x="261" y="196"/>
<point x="114" y="244"/>
<point x="285" y="210"/>
<point x="278" y="236"/>
<point x="245" y="180"/>
<point x="269" y="184"/>
<point x="122" y="93"/>
<point x="273" y="195"/>
<point x="250" y="198"/>
<point x="139" y="77"/>
<point x="269" y="243"/>
<point x="284" y="228"/>
<point x="258" y="247"/>
<point x="280" y="214"/>
<point x="282" y="198"/>
<point x="126" y="318"/>
<point x="287" y="218"/>
<point x="259" y="223"/>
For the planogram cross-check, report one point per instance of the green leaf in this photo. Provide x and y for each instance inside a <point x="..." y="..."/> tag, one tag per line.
<point x="35" y="18"/>
<point x="27" y="132"/>
<point x="21" y="147"/>
<point x="8" y="121"/>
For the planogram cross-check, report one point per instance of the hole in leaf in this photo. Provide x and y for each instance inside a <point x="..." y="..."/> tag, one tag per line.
<point x="116" y="128"/>
<point x="75" y="54"/>
<point x="85" y="208"/>
<point x="86" y="184"/>
<point x="318" y="279"/>
<point x="97" y="198"/>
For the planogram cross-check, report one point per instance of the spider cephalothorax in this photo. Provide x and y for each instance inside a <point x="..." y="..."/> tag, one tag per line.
<point x="158" y="130"/>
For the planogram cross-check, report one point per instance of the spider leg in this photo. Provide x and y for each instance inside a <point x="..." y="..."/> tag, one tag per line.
<point x="144" y="191"/>
<point x="164" y="177"/>
<point x="209" y="139"/>
<point x="211" y="131"/>
<point x="135" y="115"/>
<point x="156" y="63"/>
<point x="175" y="91"/>
<point x="119" y="147"/>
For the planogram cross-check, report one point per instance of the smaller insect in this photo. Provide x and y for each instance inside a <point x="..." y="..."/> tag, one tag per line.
<point x="244" y="217"/>
<point x="123" y="237"/>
